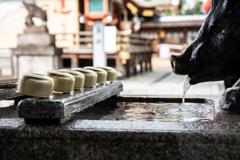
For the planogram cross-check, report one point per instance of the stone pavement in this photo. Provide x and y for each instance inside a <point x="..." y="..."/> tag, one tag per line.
<point x="165" y="82"/>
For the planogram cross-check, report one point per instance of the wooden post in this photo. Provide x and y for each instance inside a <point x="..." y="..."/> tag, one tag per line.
<point x="185" y="35"/>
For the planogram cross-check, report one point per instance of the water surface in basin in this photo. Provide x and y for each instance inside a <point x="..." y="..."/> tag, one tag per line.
<point x="173" y="112"/>
<point x="151" y="111"/>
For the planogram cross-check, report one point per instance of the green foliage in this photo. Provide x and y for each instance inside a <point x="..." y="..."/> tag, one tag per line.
<point x="197" y="9"/>
<point x="168" y="13"/>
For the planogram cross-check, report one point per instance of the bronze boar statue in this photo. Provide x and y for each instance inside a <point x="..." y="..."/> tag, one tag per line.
<point x="34" y="11"/>
<point x="215" y="53"/>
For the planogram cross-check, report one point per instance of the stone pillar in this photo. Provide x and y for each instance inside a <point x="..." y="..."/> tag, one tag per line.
<point x="36" y="52"/>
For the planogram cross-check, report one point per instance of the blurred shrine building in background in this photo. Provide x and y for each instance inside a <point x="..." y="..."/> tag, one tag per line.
<point x="124" y="34"/>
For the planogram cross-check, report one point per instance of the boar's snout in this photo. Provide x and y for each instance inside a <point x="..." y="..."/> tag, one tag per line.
<point x="178" y="66"/>
<point x="174" y="63"/>
<point x="187" y="63"/>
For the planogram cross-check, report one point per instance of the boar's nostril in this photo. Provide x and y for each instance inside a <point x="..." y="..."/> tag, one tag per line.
<point x="173" y="63"/>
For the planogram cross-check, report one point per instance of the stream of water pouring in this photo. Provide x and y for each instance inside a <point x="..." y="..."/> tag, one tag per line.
<point x="186" y="87"/>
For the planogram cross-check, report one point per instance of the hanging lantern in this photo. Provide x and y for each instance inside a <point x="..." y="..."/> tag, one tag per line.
<point x="98" y="9"/>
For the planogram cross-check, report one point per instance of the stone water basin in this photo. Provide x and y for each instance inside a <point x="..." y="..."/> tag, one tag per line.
<point x="99" y="132"/>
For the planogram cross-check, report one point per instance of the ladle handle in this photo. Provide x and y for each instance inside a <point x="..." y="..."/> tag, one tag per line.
<point x="8" y="85"/>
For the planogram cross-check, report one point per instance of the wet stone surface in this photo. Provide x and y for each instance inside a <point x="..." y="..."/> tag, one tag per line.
<point x="86" y="138"/>
<point x="9" y="93"/>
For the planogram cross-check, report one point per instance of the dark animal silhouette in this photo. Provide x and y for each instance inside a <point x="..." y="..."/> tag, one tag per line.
<point x="34" y="11"/>
<point x="215" y="53"/>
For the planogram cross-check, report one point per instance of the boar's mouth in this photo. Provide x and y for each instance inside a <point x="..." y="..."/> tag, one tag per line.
<point x="196" y="71"/>
<point x="204" y="74"/>
<point x="181" y="66"/>
<point x="207" y="74"/>
<point x="198" y="77"/>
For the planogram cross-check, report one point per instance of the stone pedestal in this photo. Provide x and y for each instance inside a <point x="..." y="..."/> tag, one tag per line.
<point x="36" y="52"/>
